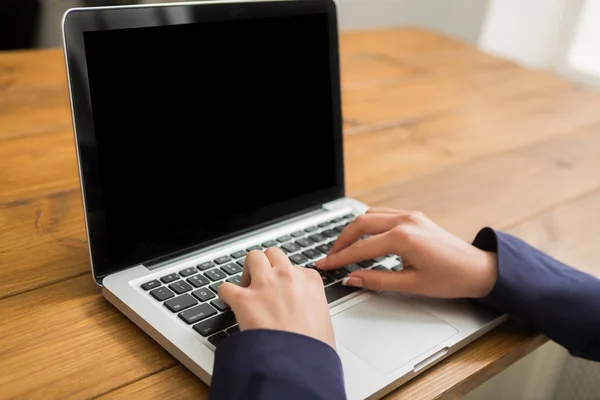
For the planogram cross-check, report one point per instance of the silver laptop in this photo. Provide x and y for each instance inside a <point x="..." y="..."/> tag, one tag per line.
<point x="207" y="129"/>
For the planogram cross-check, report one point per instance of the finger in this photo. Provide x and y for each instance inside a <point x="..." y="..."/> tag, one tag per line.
<point x="401" y="281"/>
<point x="366" y="249"/>
<point x="256" y="266"/>
<point x="277" y="257"/>
<point x="367" y="224"/>
<point x="229" y="293"/>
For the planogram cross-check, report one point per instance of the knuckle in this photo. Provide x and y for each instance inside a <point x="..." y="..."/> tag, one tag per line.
<point x="285" y="272"/>
<point x="415" y="216"/>
<point x="313" y="276"/>
<point x="399" y="233"/>
<point x="360" y="220"/>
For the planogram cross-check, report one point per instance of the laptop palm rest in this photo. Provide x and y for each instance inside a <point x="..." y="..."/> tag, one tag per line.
<point x="388" y="331"/>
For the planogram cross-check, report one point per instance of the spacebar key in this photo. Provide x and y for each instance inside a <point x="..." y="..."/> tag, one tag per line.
<point x="337" y="291"/>
<point x="215" y="324"/>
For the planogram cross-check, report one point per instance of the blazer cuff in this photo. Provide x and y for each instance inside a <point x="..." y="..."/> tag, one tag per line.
<point x="304" y="367"/>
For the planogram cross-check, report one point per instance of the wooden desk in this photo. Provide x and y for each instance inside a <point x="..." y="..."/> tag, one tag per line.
<point x="430" y="124"/>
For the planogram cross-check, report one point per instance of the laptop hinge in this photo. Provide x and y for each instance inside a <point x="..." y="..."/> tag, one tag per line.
<point x="238" y="236"/>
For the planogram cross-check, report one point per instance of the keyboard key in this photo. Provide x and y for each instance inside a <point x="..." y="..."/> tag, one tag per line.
<point x="222" y="259"/>
<point x="215" y="324"/>
<point x="326" y="278"/>
<point x="283" y="239"/>
<point x="317" y="238"/>
<point x="255" y="247"/>
<point x="238" y="254"/>
<point x="310" y="265"/>
<point x="162" y="293"/>
<point x="312" y="253"/>
<point x="197" y="314"/>
<point x="298" y="259"/>
<point x="188" y="271"/>
<point x="241" y="262"/>
<point x="270" y="243"/>
<point x="337" y="291"/>
<point x="338" y="274"/>
<point x="198" y="280"/>
<point x="203" y="294"/>
<point x="349" y="216"/>
<point x="233" y="329"/>
<point x="215" y="287"/>
<point x="180" y="303"/>
<point x="180" y="287"/>
<point x="304" y="242"/>
<point x="219" y="305"/>
<point x="380" y="268"/>
<point x="352" y="267"/>
<point x="339" y="228"/>
<point x="298" y="234"/>
<point x="231" y="269"/>
<point x="311" y="229"/>
<point x="218" y="338"/>
<point x="336" y="220"/>
<point x="366" y="263"/>
<point x="236" y="280"/>
<point x="205" y="265"/>
<point x="323" y="248"/>
<point x="324" y="224"/>
<point x="330" y="233"/>
<point x="151" y="284"/>
<point x="215" y="274"/>
<point x="169" y="278"/>
<point x="290" y="247"/>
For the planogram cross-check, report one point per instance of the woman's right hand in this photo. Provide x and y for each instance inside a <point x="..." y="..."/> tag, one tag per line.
<point x="436" y="263"/>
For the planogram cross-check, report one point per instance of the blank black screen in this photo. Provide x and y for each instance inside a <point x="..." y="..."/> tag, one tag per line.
<point x="207" y="129"/>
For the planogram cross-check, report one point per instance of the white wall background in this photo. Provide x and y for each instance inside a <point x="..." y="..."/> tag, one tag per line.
<point x="524" y="30"/>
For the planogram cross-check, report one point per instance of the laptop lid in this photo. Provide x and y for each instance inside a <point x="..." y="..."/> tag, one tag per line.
<point x="200" y="121"/>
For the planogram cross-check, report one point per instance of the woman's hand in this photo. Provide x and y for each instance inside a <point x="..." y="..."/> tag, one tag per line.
<point x="436" y="263"/>
<point x="274" y="294"/>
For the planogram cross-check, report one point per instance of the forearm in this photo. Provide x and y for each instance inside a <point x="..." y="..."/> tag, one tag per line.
<point x="268" y="364"/>
<point x="561" y="302"/>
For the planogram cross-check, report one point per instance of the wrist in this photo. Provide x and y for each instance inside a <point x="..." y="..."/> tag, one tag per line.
<point x="487" y="273"/>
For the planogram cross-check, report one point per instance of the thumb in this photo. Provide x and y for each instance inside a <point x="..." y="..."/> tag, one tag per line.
<point x="229" y="293"/>
<point x="397" y="281"/>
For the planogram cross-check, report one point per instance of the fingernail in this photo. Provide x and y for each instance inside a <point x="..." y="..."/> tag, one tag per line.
<point x="320" y="263"/>
<point x="351" y="281"/>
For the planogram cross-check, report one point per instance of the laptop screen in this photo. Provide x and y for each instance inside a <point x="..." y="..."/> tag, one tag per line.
<point x="203" y="130"/>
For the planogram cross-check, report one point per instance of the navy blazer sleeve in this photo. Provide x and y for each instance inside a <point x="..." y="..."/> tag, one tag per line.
<point x="557" y="300"/>
<point x="269" y="364"/>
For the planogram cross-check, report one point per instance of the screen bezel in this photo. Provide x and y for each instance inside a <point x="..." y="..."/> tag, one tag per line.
<point x="80" y="20"/>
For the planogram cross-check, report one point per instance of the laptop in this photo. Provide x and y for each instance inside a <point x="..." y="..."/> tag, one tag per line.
<point x="207" y="129"/>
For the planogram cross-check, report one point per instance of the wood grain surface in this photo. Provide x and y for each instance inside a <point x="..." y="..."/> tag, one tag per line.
<point x="430" y="123"/>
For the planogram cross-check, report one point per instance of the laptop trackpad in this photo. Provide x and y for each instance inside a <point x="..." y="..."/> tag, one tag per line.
<point x="388" y="331"/>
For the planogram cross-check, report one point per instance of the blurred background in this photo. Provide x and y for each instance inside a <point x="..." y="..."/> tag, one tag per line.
<point x="562" y="36"/>
<point x="558" y="35"/>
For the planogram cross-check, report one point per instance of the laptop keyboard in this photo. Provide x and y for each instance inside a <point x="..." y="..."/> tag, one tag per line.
<point x="192" y="293"/>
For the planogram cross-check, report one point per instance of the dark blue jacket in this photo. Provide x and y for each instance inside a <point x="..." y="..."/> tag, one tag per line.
<point x="557" y="300"/>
